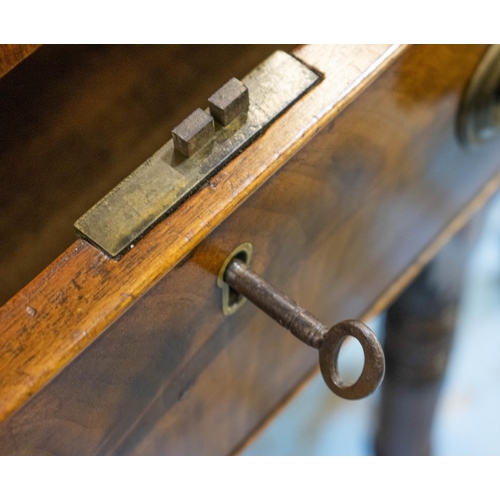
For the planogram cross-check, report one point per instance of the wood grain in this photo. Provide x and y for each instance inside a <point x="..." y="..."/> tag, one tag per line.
<point x="349" y="219"/>
<point x="46" y="325"/>
<point x="12" y="54"/>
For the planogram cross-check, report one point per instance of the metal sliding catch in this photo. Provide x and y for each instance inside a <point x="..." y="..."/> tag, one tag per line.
<point x="311" y="331"/>
<point x="201" y="145"/>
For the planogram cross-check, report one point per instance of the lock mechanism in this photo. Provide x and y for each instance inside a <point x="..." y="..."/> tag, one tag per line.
<point x="201" y="145"/>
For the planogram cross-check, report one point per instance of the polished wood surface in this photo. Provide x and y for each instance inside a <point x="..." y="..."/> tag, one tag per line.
<point x="348" y="221"/>
<point x="50" y="322"/>
<point x="12" y="54"/>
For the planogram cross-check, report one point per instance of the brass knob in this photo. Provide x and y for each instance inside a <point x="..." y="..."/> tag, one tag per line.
<point x="479" y="114"/>
<point x="310" y="330"/>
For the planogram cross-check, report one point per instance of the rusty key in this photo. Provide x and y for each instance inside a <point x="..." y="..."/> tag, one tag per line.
<point x="310" y="330"/>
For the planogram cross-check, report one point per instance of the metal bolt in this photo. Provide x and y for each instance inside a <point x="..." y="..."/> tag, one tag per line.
<point x="193" y="133"/>
<point x="229" y="101"/>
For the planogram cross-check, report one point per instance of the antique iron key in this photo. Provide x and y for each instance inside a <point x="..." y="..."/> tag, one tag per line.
<point x="310" y="330"/>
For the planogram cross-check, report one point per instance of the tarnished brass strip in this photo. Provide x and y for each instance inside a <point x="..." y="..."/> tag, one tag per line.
<point x="162" y="182"/>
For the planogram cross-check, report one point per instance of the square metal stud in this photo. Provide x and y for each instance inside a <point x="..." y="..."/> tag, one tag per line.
<point x="193" y="133"/>
<point x="229" y="101"/>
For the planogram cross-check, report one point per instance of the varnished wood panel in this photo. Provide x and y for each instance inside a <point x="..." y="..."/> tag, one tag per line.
<point x="356" y="212"/>
<point x="12" y="54"/>
<point x="46" y="325"/>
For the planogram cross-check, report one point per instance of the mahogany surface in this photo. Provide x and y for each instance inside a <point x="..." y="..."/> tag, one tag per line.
<point x="348" y="221"/>
<point x="83" y="292"/>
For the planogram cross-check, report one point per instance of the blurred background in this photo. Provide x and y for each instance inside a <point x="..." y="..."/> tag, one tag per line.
<point x="316" y="422"/>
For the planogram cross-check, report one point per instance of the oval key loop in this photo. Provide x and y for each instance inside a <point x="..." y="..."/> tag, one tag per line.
<point x="310" y="330"/>
<point x="374" y="364"/>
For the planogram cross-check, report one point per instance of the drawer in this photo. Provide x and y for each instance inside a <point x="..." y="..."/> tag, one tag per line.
<point x="344" y="199"/>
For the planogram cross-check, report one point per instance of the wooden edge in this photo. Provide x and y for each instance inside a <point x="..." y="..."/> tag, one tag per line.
<point x="12" y="54"/>
<point x="66" y="307"/>
<point x="391" y="293"/>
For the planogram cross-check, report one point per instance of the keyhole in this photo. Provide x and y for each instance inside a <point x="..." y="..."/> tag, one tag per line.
<point x="231" y="299"/>
<point x="235" y="297"/>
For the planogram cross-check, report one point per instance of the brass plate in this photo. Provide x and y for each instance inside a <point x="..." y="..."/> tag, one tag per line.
<point x="166" y="179"/>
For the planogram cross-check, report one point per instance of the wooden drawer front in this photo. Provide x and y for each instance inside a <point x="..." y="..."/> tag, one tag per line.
<point x="341" y="228"/>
